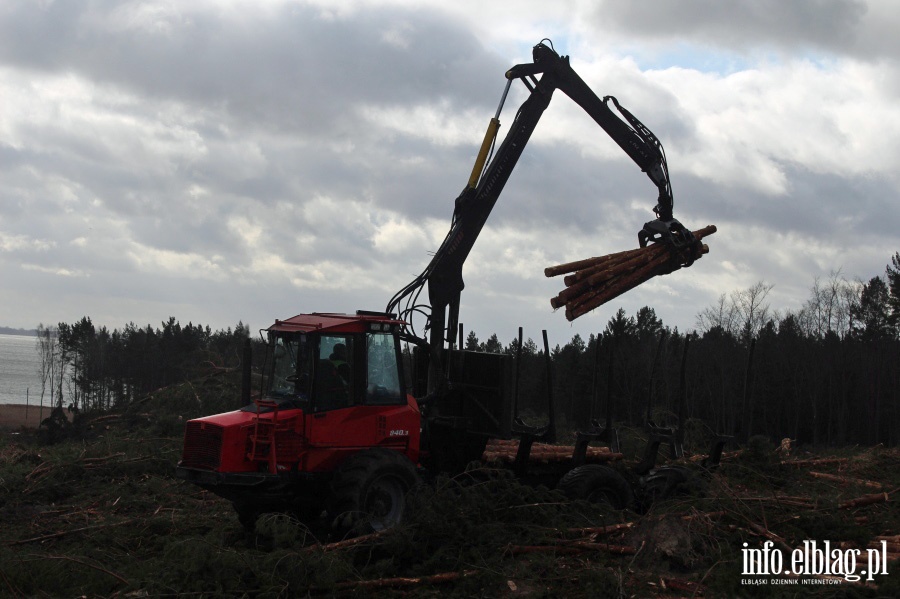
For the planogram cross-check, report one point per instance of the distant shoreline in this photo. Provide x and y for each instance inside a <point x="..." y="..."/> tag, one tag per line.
<point x="15" y="416"/>
<point x="19" y="332"/>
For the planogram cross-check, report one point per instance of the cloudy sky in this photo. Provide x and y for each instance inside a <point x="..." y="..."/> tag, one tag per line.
<point x="219" y="161"/>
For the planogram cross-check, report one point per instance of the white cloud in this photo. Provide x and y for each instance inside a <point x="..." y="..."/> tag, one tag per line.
<point x="438" y="124"/>
<point x="399" y="236"/>
<point x="152" y="261"/>
<point x="59" y="272"/>
<point x="14" y="243"/>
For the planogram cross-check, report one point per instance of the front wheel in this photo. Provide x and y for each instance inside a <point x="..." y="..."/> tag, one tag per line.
<point x="597" y="484"/>
<point x="369" y="490"/>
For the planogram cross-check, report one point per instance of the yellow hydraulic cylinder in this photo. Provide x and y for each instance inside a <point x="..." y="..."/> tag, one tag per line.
<point x="489" y="136"/>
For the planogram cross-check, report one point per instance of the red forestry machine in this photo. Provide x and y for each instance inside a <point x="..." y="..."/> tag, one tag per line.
<point x="337" y="429"/>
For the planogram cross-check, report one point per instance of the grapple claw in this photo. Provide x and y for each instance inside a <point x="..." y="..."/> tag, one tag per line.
<point x="673" y="233"/>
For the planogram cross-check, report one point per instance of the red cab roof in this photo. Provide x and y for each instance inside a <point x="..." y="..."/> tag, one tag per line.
<point x="319" y="322"/>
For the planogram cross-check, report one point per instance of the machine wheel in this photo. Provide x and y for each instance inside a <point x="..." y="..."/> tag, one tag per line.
<point x="247" y="515"/>
<point x="597" y="484"/>
<point x="663" y="483"/>
<point x="305" y="512"/>
<point x="369" y="490"/>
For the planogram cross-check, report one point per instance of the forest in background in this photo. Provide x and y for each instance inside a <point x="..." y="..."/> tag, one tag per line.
<point x="826" y="373"/>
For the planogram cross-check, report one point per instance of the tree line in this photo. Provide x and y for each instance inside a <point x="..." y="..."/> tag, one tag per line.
<point x="825" y="373"/>
<point x="90" y="368"/>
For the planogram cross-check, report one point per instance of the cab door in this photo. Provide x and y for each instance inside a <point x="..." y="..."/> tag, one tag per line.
<point x="358" y="397"/>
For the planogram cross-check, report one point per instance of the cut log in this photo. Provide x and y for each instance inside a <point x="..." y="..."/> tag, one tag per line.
<point x="599" y="272"/>
<point x="561" y="269"/>
<point x="684" y="586"/>
<point x="595" y="281"/>
<point x="596" y="531"/>
<point x="864" y="500"/>
<point x="815" y="462"/>
<point x="505" y="450"/>
<point x="845" y="479"/>
<point x="550" y="457"/>
<point x="889" y="539"/>
<point x="766" y="533"/>
<point x="568" y="547"/>
<point x="381" y="583"/>
<point x="613" y="288"/>
<point x="346" y="543"/>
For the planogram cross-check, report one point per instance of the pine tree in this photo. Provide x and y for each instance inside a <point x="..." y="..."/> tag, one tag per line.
<point x="472" y="341"/>
<point x="492" y="345"/>
<point x="893" y="277"/>
<point x="872" y="315"/>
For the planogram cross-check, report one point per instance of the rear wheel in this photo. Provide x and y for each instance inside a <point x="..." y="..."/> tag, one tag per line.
<point x="664" y="483"/>
<point x="597" y="484"/>
<point x="369" y="490"/>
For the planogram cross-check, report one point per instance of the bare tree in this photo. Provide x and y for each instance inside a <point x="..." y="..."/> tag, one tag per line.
<point x="752" y="310"/>
<point x="830" y="306"/>
<point x="720" y="315"/>
<point x="742" y="314"/>
<point x="49" y="368"/>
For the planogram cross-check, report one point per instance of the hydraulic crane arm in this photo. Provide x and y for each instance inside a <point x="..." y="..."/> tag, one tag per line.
<point x="634" y="138"/>
<point x="474" y="205"/>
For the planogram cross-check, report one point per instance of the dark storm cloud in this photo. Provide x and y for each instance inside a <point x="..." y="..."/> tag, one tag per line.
<point x="560" y="187"/>
<point x="286" y="66"/>
<point x="289" y="79"/>
<point x="404" y="174"/>
<point x="826" y="208"/>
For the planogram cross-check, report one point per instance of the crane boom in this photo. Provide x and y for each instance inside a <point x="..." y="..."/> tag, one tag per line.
<point x="548" y="72"/>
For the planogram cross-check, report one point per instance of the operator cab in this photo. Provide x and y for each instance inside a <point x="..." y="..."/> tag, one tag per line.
<point x="323" y="362"/>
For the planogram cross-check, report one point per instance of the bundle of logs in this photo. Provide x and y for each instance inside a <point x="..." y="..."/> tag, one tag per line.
<point x="595" y="281"/>
<point x="503" y="450"/>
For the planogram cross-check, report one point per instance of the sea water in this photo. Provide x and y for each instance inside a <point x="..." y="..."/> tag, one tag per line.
<point x="20" y="377"/>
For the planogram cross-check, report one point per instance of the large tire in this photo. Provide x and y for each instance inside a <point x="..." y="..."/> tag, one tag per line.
<point x="369" y="490"/>
<point x="662" y="484"/>
<point x="597" y="484"/>
<point x="249" y="513"/>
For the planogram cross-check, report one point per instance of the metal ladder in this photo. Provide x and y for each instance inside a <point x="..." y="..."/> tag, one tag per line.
<point x="262" y="438"/>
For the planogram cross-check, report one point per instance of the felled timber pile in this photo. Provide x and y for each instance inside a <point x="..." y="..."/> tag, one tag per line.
<point x="500" y="450"/>
<point x="595" y="281"/>
<point x="891" y="546"/>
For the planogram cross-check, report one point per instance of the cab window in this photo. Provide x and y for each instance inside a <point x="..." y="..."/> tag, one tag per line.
<point x="334" y="372"/>
<point x="290" y="368"/>
<point x="383" y="380"/>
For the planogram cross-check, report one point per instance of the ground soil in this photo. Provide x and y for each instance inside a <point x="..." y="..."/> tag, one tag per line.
<point x="94" y="509"/>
